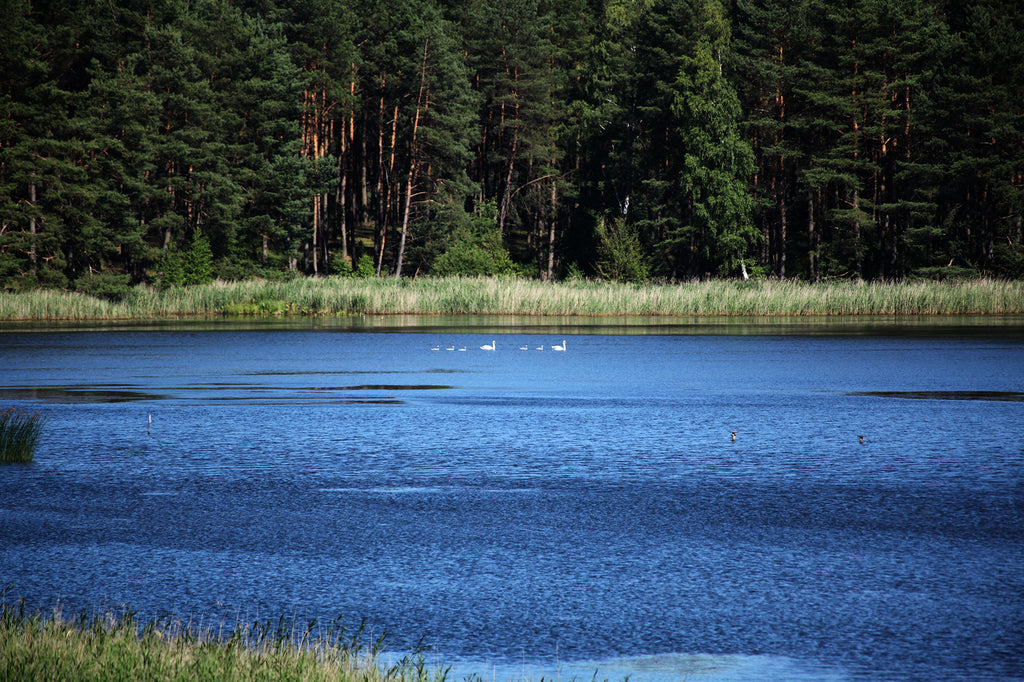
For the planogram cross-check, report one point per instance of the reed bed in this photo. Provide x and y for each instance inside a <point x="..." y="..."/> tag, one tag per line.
<point x="114" y="646"/>
<point x="510" y="296"/>
<point x="19" y="435"/>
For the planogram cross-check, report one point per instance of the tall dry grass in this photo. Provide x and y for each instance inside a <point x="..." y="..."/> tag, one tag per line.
<point x="507" y="296"/>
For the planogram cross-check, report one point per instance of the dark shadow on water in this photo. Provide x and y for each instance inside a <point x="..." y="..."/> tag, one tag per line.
<point x="1003" y="396"/>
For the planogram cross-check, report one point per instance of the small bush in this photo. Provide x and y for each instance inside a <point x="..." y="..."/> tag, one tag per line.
<point x="19" y="435"/>
<point x="111" y="286"/>
<point x="365" y="268"/>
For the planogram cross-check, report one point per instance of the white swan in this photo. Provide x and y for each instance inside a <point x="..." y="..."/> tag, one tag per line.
<point x="451" y="348"/>
<point x="562" y="347"/>
<point x="527" y="347"/>
<point x="436" y="348"/>
<point x="490" y="347"/>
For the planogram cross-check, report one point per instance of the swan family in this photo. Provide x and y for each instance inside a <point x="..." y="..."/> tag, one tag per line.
<point x="493" y="345"/>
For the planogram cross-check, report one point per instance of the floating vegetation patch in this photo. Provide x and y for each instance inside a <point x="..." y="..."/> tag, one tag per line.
<point x="1003" y="396"/>
<point x="213" y="393"/>
<point x="76" y="394"/>
<point x="288" y="373"/>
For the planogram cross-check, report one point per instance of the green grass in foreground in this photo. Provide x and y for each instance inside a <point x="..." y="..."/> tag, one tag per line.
<point x="35" y="647"/>
<point x="19" y="435"/>
<point x="506" y="296"/>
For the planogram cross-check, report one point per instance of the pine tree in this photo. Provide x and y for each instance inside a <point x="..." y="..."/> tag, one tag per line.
<point x="518" y="54"/>
<point x="279" y="183"/>
<point x="321" y="34"/>
<point x="982" y="196"/>
<point x="24" y="77"/>
<point x="46" y="189"/>
<point x="769" y="40"/>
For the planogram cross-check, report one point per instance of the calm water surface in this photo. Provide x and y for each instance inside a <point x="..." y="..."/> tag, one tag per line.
<point x="533" y="513"/>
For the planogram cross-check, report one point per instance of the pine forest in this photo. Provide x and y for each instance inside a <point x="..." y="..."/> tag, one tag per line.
<point x="169" y="142"/>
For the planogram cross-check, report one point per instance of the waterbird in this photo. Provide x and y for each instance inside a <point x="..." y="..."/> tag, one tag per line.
<point x="861" y="439"/>
<point x="733" y="436"/>
<point x="540" y="347"/>
<point x="436" y="348"/>
<point x="463" y="348"/>
<point x="488" y="347"/>
<point x="525" y="347"/>
<point x="562" y="347"/>
<point x="452" y="347"/>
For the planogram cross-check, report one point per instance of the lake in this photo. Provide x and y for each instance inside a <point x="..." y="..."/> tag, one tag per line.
<point x="525" y="513"/>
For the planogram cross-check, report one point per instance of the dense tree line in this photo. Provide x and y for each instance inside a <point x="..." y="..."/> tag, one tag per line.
<point x="166" y="141"/>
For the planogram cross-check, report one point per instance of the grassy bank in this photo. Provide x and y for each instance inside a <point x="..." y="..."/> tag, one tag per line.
<point x="37" y="647"/>
<point x="497" y="296"/>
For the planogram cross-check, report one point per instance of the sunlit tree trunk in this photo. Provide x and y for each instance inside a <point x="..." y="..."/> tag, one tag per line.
<point x="316" y="135"/>
<point x="421" y="104"/>
<point x="33" y="252"/>
<point x="552" y="221"/>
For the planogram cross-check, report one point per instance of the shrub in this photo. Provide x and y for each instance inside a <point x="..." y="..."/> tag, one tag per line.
<point x="111" y="286"/>
<point x="364" y="267"/>
<point x="474" y="260"/>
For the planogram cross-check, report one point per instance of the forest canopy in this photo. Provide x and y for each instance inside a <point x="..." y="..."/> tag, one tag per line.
<point x="172" y="141"/>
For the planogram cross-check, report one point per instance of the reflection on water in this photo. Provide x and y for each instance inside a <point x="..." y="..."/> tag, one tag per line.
<point x="559" y="514"/>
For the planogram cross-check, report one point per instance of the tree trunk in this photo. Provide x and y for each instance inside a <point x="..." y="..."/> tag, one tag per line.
<point x="421" y="100"/>
<point x="405" y="221"/>
<point x="856" y="233"/>
<point x="33" y="253"/>
<point x="552" y="220"/>
<point x="812" y="240"/>
<point x="782" y="233"/>
<point x="340" y="197"/>
<point x="506" y="197"/>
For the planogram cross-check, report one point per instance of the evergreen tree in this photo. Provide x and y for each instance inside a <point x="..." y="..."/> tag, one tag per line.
<point x="981" y="196"/>
<point x="620" y="255"/>
<point x="321" y="34"/>
<point x="518" y="54"/>
<point x="674" y="162"/>
<point x="769" y="38"/>
<point x="22" y="73"/>
<point x="886" y="136"/>
<point x="717" y="231"/>
<point x="279" y="184"/>
<point x="424" y="123"/>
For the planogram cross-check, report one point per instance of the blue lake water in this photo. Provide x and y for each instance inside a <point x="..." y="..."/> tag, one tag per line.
<point x="531" y="513"/>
